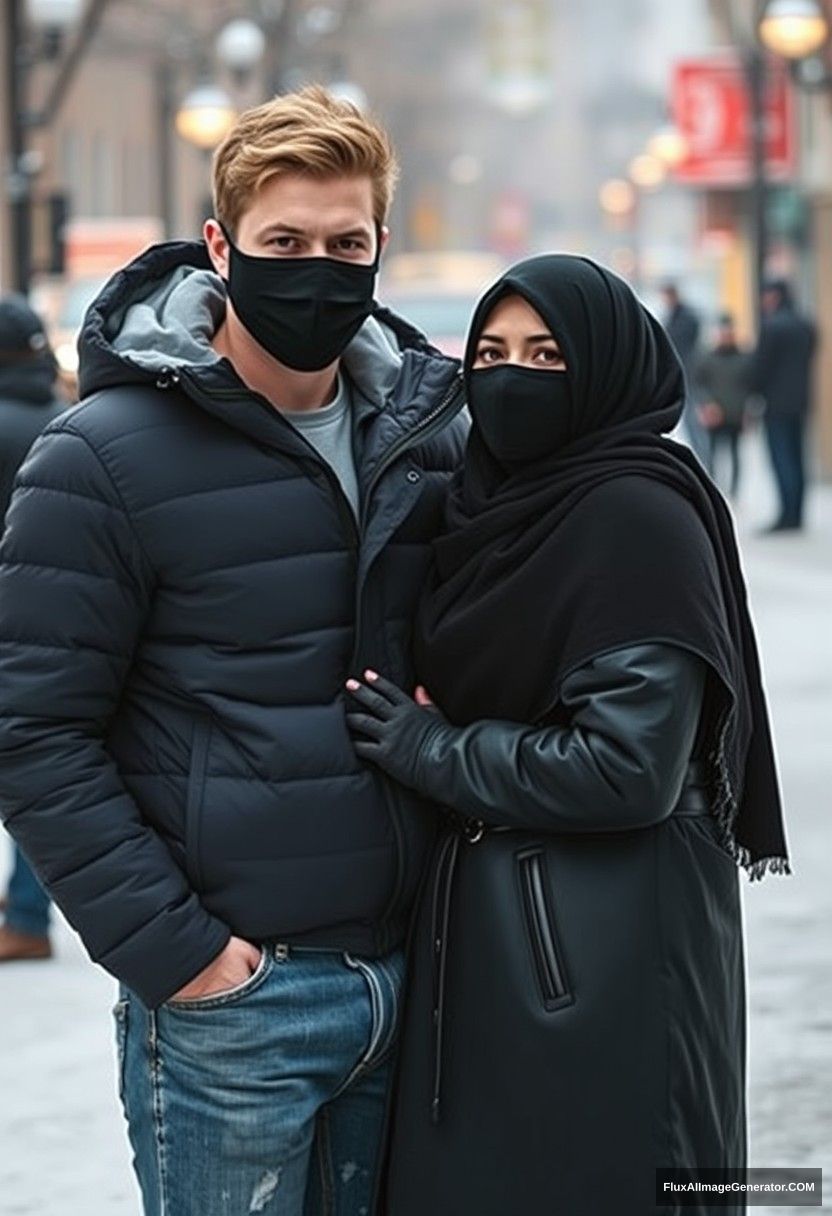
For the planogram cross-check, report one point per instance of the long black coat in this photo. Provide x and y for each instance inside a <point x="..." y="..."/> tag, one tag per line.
<point x="575" y="1012"/>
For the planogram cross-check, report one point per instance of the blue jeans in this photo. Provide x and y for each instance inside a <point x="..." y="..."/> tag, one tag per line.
<point x="269" y="1097"/>
<point x="27" y="910"/>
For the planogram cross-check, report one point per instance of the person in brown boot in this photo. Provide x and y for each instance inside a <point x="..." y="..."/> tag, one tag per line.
<point x="24" y="936"/>
<point x="28" y="402"/>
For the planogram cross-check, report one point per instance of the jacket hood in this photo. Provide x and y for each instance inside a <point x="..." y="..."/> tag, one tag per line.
<point x="160" y="312"/>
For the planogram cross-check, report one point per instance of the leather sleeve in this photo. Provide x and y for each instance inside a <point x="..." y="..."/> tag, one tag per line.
<point x="620" y="763"/>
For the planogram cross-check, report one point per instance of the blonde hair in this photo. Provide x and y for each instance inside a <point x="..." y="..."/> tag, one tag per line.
<point x="309" y="132"/>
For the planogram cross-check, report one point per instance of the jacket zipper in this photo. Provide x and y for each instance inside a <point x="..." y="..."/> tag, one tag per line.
<point x="435" y="420"/>
<point x="431" y="423"/>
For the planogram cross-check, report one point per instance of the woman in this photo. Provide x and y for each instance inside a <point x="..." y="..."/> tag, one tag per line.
<point x="576" y="1012"/>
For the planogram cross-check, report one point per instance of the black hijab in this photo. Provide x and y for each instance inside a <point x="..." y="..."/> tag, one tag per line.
<point x="618" y="538"/>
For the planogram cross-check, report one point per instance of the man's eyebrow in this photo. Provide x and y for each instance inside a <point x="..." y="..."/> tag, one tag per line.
<point x="279" y="226"/>
<point x="291" y="230"/>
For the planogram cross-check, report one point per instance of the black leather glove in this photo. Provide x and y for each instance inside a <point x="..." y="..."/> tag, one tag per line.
<point x="392" y="729"/>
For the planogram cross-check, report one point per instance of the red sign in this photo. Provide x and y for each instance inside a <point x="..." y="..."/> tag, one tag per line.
<point x="711" y="109"/>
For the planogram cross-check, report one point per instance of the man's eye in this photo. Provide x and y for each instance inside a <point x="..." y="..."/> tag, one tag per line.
<point x="350" y="245"/>
<point x="285" y="242"/>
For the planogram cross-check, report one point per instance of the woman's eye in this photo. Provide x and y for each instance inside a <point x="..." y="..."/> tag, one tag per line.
<point x="552" y="358"/>
<point x="489" y="354"/>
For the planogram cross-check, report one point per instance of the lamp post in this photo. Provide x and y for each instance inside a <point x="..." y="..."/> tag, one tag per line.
<point x="204" y="118"/>
<point x="240" y="46"/>
<point x="51" y="18"/>
<point x="794" y="30"/>
<point x="756" y="79"/>
<point x="620" y="202"/>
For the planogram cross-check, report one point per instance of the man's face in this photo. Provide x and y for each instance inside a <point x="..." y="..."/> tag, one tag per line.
<point x="770" y="300"/>
<point x="293" y="215"/>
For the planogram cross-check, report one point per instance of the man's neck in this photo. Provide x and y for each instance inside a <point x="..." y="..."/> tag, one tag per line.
<point x="282" y="386"/>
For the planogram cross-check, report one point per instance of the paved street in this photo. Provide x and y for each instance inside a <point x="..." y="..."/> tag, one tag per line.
<point x="63" y="1151"/>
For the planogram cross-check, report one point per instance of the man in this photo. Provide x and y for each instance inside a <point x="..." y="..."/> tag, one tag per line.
<point x="782" y="376"/>
<point x="235" y="519"/>
<point x="28" y="372"/>
<point x="683" y="329"/>
<point x="723" y="376"/>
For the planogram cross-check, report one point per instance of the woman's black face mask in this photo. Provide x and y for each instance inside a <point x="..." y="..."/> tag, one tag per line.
<point x="522" y="413"/>
<point x="303" y="311"/>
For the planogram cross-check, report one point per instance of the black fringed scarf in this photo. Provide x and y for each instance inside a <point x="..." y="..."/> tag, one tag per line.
<point x="619" y="538"/>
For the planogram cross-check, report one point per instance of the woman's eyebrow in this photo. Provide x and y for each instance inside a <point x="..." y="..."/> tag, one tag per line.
<point x="543" y="338"/>
<point x="492" y="338"/>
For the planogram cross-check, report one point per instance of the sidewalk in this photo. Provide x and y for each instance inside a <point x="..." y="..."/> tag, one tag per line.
<point x="63" y="1148"/>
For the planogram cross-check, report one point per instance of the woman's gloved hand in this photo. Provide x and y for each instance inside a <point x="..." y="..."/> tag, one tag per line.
<point x="391" y="728"/>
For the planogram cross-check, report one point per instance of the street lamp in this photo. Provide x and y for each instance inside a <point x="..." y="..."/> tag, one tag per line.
<point x="647" y="172"/>
<point x="668" y="145"/>
<point x="205" y="117"/>
<point x="51" y="18"/>
<point x="617" y="197"/>
<point x="793" y="28"/>
<point x="240" y="46"/>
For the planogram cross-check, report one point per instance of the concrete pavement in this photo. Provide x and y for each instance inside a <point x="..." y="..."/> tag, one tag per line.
<point x="63" y="1150"/>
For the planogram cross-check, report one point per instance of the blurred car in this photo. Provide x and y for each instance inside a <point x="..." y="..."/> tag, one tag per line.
<point x="94" y="248"/>
<point x="71" y="305"/>
<point x="437" y="292"/>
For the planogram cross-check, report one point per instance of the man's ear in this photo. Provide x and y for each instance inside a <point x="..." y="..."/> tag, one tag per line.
<point x="217" y="243"/>
<point x="383" y="238"/>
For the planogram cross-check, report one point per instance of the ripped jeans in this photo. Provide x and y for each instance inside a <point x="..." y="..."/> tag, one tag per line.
<point x="269" y="1097"/>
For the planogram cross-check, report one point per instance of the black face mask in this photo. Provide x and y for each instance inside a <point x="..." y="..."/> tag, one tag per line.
<point x="303" y="311"/>
<point x="522" y="413"/>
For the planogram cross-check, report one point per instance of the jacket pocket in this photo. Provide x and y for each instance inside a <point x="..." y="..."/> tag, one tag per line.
<point x="547" y="955"/>
<point x="197" y="771"/>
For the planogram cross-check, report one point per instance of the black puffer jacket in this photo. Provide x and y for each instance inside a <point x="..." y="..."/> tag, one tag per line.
<point x="183" y="593"/>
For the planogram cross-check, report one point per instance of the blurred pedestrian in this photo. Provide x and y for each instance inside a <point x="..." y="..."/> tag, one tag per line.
<point x="724" y="379"/>
<point x="683" y="328"/>
<point x="576" y="992"/>
<point x="782" y="375"/>
<point x="239" y="513"/>
<point x="28" y="374"/>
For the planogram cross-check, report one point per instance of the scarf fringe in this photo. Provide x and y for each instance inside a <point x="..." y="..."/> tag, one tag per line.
<point x="725" y="807"/>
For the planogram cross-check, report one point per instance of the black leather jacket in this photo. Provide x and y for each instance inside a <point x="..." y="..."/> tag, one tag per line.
<point x="619" y="760"/>
<point x="575" y="1004"/>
